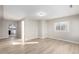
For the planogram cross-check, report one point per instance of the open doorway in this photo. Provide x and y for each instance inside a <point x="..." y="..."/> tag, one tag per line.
<point x="12" y="31"/>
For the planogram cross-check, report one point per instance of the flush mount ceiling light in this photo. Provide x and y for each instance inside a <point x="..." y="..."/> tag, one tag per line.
<point x="41" y="13"/>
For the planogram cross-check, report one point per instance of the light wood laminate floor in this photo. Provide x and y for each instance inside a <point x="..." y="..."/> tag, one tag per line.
<point x="45" y="46"/>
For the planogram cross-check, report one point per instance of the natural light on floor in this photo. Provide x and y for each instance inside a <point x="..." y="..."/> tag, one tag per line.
<point x="20" y="43"/>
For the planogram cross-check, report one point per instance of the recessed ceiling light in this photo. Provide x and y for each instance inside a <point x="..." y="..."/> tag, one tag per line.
<point x="41" y="13"/>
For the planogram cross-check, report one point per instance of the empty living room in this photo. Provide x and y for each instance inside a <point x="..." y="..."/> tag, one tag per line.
<point x="39" y="29"/>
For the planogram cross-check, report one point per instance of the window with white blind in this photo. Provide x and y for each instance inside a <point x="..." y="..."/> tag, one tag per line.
<point x="62" y="26"/>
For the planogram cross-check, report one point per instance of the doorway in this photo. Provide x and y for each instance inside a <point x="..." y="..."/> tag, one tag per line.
<point x="12" y="31"/>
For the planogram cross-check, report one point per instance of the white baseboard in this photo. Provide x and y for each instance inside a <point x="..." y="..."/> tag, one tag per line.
<point x="32" y="39"/>
<point x="55" y="39"/>
<point x="3" y="38"/>
<point x="65" y="40"/>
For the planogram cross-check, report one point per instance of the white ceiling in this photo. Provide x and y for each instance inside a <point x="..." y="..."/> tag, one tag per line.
<point x="17" y="12"/>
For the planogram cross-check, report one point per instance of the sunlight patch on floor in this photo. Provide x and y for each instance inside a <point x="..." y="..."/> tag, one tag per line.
<point x="20" y="43"/>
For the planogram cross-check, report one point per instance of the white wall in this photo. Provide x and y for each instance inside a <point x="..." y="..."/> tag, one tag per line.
<point x="44" y="28"/>
<point x="72" y="35"/>
<point x="1" y="20"/>
<point x="19" y="29"/>
<point x="1" y="28"/>
<point x="39" y="28"/>
<point x="30" y="29"/>
<point x="1" y="11"/>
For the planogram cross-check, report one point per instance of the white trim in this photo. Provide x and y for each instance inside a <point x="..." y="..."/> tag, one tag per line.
<point x="22" y="31"/>
<point x="65" y="40"/>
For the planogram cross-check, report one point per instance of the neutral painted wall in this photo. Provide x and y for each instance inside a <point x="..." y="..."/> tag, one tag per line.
<point x="1" y="14"/>
<point x="39" y="28"/>
<point x="72" y="35"/>
<point x="1" y="28"/>
<point x="44" y="28"/>
<point x="30" y="29"/>
<point x="1" y="11"/>
<point x="19" y="29"/>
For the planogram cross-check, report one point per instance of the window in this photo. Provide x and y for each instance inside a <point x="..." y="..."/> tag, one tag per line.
<point x="62" y="27"/>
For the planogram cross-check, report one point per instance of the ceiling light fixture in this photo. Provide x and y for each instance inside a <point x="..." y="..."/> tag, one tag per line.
<point x="41" y="13"/>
